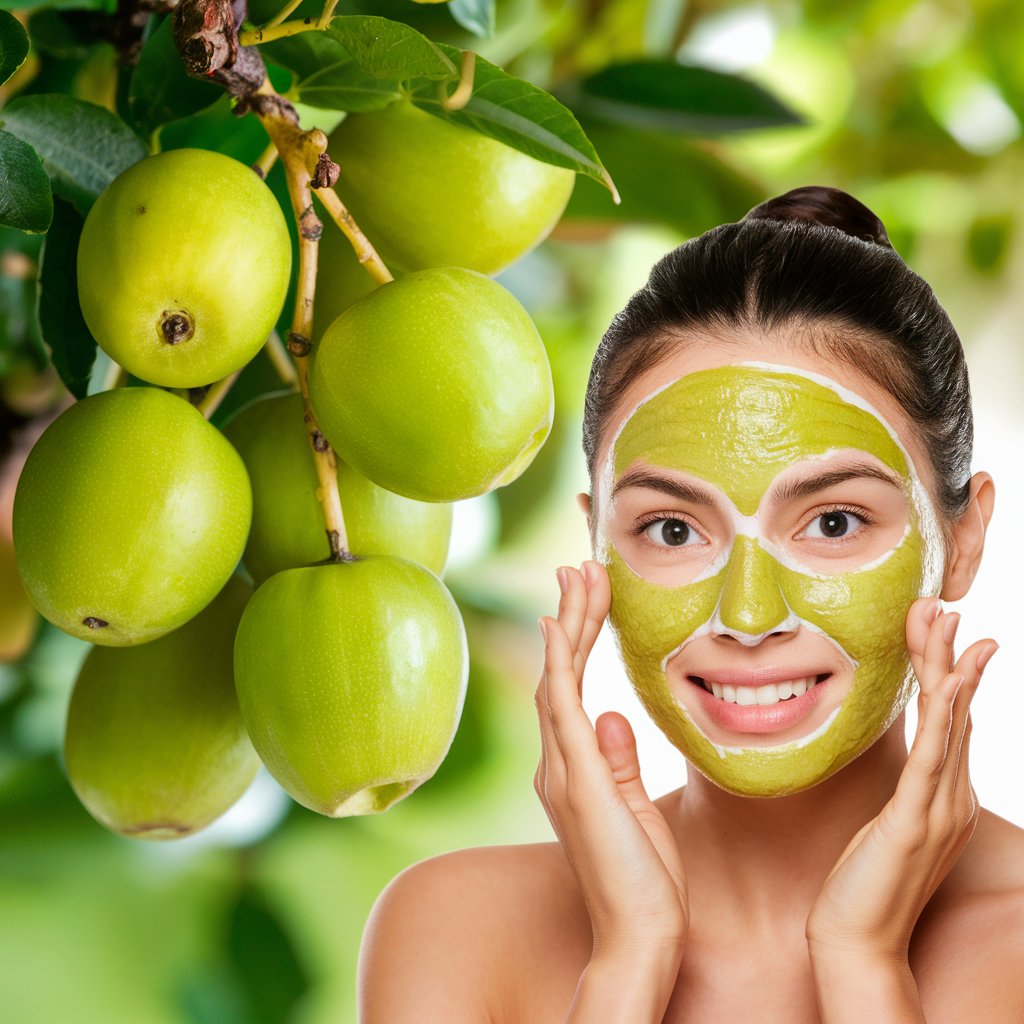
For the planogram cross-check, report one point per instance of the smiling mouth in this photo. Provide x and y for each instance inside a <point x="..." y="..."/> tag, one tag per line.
<point x="762" y="695"/>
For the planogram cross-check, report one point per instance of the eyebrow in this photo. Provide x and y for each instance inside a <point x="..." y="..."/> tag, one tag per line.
<point x="684" y="491"/>
<point x="812" y="484"/>
<point x="678" y="489"/>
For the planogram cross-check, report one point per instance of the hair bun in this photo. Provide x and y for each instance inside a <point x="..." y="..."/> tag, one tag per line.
<point x="831" y="207"/>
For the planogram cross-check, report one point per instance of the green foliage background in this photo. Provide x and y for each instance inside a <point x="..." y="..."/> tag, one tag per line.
<point x="914" y="106"/>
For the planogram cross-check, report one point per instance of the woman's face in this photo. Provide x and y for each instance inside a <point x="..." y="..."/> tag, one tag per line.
<point x="766" y="521"/>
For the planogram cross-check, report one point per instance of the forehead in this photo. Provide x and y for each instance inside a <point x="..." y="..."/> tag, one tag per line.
<point x="739" y="426"/>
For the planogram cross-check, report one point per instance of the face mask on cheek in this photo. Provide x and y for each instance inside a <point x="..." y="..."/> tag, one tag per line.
<point x="737" y="428"/>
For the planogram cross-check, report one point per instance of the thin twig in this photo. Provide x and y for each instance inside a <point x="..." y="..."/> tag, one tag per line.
<point x="278" y="355"/>
<point x="217" y="393"/>
<point x="266" y="161"/>
<point x="464" y="90"/>
<point x="364" y="251"/>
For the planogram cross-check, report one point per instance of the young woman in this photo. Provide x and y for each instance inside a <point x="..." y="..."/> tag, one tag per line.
<point x="778" y="432"/>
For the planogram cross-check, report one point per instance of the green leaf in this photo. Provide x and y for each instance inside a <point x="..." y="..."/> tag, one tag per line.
<point x="327" y="77"/>
<point x="68" y="35"/>
<point x="161" y="90"/>
<point x="83" y="146"/>
<point x="13" y="45"/>
<point x="72" y="347"/>
<point x="271" y="977"/>
<point x="664" y="180"/>
<point x="676" y="97"/>
<point x="475" y="15"/>
<point x="522" y="116"/>
<point x="390" y="50"/>
<point x="26" y="202"/>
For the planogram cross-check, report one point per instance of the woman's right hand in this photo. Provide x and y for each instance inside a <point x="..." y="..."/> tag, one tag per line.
<point x="618" y="843"/>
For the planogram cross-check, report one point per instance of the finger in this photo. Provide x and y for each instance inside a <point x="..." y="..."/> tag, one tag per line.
<point x="970" y="665"/>
<point x="571" y="727"/>
<point x="599" y="596"/>
<point x="922" y="613"/>
<point x="572" y="606"/>
<point x="927" y="758"/>
<point x="938" y="652"/>
<point x="617" y="744"/>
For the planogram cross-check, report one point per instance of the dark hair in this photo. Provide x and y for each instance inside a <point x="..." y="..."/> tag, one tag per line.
<point x="819" y="261"/>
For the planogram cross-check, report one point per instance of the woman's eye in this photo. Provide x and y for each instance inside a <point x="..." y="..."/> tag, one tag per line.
<point x="833" y="525"/>
<point x="671" y="533"/>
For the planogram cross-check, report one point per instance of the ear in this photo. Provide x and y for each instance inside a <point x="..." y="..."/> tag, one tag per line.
<point x="583" y="500"/>
<point x="968" y="539"/>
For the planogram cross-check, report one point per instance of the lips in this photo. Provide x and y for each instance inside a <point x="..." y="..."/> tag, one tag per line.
<point x="759" y="702"/>
<point x="763" y="695"/>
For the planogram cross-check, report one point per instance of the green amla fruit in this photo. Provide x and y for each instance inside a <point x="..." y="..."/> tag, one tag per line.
<point x="287" y="518"/>
<point x="431" y="193"/>
<point x="183" y="267"/>
<point x="436" y="386"/>
<point x="351" y="678"/>
<point x="155" y="746"/>
<point x="131" y="513"/>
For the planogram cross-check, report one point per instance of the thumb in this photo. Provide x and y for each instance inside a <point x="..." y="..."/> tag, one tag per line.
<point x="617" y="744"/>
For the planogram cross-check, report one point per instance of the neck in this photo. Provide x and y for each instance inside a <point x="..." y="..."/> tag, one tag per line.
<point x="761" y="861"/>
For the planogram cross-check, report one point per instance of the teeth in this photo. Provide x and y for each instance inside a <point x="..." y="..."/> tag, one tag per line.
<point x="770" y="693"/>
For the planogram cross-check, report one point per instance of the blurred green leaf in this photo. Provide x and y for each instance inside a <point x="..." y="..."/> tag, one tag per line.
<point x="389" y="49"/>
<point x="271" y="977"/>
<point x="217" y="128"/>
<point x="522" y="116"/>
<point x="327" y="77"/>
<point x="160" y="90"/>
<point x="83" y="146"/>
<point x="475" y="15"/>
<point x="72" y="347"/>
<point x="66" y="34"/>
<point x="676" y="97"/>
<point x="988" y="242"/>
<point x="26" y="202"/>
<point x="13" y="45"/>
<point x="663" y="180"/>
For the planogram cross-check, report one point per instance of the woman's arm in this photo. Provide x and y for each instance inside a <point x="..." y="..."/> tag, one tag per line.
<point x="617" y="842"/>
<point x="860" y="926"/>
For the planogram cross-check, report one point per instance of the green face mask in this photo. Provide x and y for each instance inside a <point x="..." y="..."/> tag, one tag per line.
<point x="737" y="428"/>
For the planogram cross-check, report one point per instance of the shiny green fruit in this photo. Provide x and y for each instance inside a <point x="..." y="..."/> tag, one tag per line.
<point x="351" y="678"/>
<point x="430" y="193"/>
<point x="131" y="513"/>
<point x="155" y="747"/>
<point x="287" y="518"/>
<point x="436" y="386"/>
<point x="183" y="267"/>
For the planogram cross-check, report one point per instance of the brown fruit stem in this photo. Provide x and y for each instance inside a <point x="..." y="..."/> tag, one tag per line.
<point x="300" y="151"/>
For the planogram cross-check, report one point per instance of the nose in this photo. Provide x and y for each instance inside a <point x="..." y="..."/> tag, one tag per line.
<point x="751" y="605"/>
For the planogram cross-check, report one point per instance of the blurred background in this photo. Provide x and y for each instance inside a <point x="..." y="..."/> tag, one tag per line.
<point x="914" y="106"/>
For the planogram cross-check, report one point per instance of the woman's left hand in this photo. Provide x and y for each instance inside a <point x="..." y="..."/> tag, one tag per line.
<point x="873" y="896"/>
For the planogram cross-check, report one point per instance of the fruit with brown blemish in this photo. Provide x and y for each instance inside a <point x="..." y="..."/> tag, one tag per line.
<point x="155" y="746"/>
<point x="287" y="518"/>
<point x="131" y="513"/>
<point x="183" y="267"/>
<point x="351" y="678"/>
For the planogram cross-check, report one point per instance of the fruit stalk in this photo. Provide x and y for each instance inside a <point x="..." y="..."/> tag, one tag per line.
<point x="216" y="394"/>
<point x="278" y="356"/>
<point x="365" y="252"/>
<point x="300" y="151"/>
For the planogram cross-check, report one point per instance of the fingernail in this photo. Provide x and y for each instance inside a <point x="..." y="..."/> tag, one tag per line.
<point x="543" y="629"/>
<point x="949" y="627"/>
<point x="933" y="612"/>
<point x="587" y="569"/>
<point x="563" y="580"/>
<point x="983" y="658"/>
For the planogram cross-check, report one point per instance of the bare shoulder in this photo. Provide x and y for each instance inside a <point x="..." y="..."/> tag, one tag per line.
<point x="442" y="937"/>
<point x="971" y="937"/>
